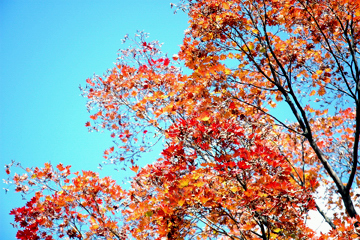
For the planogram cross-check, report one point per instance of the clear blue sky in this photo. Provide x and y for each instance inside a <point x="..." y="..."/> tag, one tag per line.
<point x="47" y="49"/>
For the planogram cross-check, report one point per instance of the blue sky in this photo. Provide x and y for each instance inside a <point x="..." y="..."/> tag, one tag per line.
<point x="49" y="48"/>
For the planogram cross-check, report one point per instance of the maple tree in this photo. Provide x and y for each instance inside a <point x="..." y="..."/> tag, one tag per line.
<point x="232" y="167"/>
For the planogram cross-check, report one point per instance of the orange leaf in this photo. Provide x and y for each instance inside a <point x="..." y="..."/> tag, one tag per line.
<point x="278" y="98"/>
<point x="348" y="130"/>
<point x="321" y="91"/>
<point x="205" y="116"/>
<point x="60" y="167"/>
<point x="203" y="200"/>
<point x="248" y="227"/>
<point x="135" y="168"/>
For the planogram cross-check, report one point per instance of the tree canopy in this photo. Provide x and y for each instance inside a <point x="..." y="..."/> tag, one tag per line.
<point x="233" y="165"/>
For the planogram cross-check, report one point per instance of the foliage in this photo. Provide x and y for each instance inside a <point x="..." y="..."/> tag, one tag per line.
<point x="232" y="167"/>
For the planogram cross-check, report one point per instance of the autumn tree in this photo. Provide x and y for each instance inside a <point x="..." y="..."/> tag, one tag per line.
<point x="234" y="166"/>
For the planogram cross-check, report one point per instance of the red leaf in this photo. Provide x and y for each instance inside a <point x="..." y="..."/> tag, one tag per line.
<point x="243" y="165"/>
<point x="90" y="82"/>
<point x="112" y="149"/>
<point x="232" y="105"/>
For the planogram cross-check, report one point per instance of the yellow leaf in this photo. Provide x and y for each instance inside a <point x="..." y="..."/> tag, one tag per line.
<point x="184" y="182"/>
<point x="273" y="236"/>
<point x="149" y="213"/>
<point x="312" y="93"/>
<point x="181" y="202"/>
<point x="94" y="224"/>
<point x="205" y="119"/>
<point x="199" y="184"/>
<point x="311" y="110"/>
<point x="196" y="176"/>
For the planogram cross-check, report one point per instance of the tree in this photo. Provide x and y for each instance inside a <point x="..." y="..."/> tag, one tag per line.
<point x="231" y="167"/>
